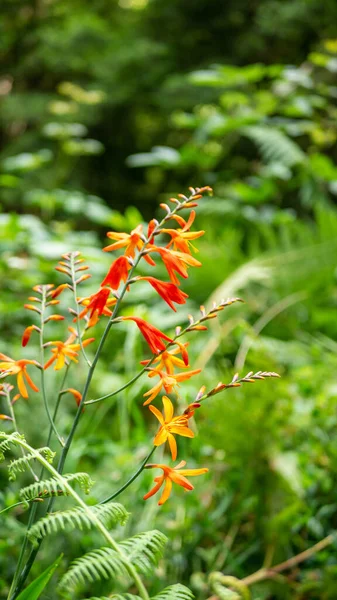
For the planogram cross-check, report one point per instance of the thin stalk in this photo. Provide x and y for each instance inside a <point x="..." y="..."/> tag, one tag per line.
<point x="123" y="387"/>
<point x="43" y="386"/>
<point x="134" y="476"/>
<point x="11" y="506"/>
<point x="74" y="284"/>
<point x="57" y="405"/>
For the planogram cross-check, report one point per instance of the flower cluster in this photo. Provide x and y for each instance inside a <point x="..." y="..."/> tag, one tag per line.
<point x="169" y="241"/>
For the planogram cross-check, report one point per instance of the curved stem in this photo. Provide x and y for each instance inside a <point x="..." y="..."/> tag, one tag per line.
<point x="123" y="387"/>
<point x="11" y="506"/>
<point x="134" y="476"/>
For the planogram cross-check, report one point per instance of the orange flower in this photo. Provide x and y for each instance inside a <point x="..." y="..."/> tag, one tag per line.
<point x="176" y="475"/>
<point x="168" y="382"/>
<point x="118" y="272"/>
<point x="153" y="336"/>
<point x="180" y="238"/>
<point x="8" y="366"/>
<point x="65" y="350"/>
<point x="171" y="425"/>
<point x="131" y="241"/>
<point x="176" y="262"/>
<point x="168" y="291"/>
<point x="168" y="359"/>
<point x="97" y="304"/>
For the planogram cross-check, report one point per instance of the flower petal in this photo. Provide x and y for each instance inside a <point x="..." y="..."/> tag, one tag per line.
<point x="166" y="493"/>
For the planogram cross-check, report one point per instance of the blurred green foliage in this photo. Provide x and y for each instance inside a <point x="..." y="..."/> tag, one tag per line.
<point x="245" y="101"/>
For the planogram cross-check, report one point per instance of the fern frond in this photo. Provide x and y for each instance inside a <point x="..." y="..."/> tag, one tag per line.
<point x="109" y="514"/>
<point x="7" y="441"/>
<point x="174" y="592"/>
<point x="144" y="549"/>
<point x="116" y="597"/>
<point x="53" y="487"/>
<point x="274" y="145"/>
<point x="104" y="563"/>
<point x="21" y="464"/>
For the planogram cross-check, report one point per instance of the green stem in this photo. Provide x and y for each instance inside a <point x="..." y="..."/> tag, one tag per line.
<point x="57" y="405"/>
<point x="134" y="476"/>
<point x="73" y="277"/>
<point x="126" y="385"/>
<point x="43" y="386"/>
<point x="11" y="506"/>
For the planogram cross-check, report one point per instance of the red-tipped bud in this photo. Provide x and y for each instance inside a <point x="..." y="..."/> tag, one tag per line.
<point x="151" y="227"/>
<point x="27" y="333"/>
<point x="63" y="270"/>
<point x="5" y="418"/>
<point x="83" y="278"/>
<point x="54" y="318"/>
<point x="60" y="288"/>
<point x="32" y="307"/>
<point x="77" y="395"/>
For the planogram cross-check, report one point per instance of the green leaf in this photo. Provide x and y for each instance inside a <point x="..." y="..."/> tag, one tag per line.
<point x="35" y="589"/>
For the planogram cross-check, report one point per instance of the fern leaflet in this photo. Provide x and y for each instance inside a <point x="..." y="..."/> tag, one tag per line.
<point x="104" y="563"/>
<point x="116" y="597"/>
<point x="7" y="441"/>
<point x="274" y="145"/>
<point x="21" y="464"/>
<point x="109" y="514"/>
<point x="174" y="592"/>
<point x="53" y="487"/>
<point x="144" y="549"/>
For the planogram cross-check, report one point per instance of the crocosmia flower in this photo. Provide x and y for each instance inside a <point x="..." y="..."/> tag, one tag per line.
<point x="65" y="351"/>
<point x="130" y="241"/>
<point x="170" y="426"/>
<point x="8" y="366"/>
<point x="153" y="336"/>
<point x="168" y="359"/>
<point x="176" y="262"/>
<point x="118" y="272"/>
<point x="168" y="291"/>
<point x="96" y="305"/>
<point x="166" y="381"/>
<point x="181" y="238"/>
<point x="176" y="475"/>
